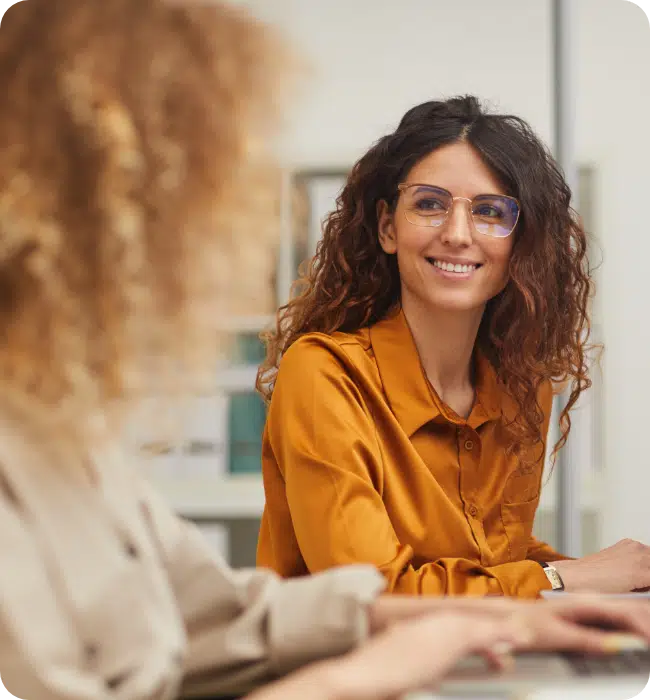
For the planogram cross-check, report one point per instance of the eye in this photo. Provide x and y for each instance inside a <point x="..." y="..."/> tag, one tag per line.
<point x="488" y="211"/>
<point x="430" y="204"/>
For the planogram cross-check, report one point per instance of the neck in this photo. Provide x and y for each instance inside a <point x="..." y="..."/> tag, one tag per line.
<point x="445" y="342"/>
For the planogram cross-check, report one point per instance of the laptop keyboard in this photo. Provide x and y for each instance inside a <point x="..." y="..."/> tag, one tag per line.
<point x="621" y="663"/>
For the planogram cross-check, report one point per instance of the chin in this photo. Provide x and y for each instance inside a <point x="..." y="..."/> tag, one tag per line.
<point x="455" y="302"/>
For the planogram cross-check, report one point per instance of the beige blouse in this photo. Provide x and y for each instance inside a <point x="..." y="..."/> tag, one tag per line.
<point x="105" y="593"/>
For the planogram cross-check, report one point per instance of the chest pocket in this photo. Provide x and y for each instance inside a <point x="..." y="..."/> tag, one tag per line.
<point x="519" y="503"/>
<point x="523" y="484"/>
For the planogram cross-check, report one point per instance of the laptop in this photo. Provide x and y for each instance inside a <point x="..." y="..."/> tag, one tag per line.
<point x="624" y="672"/>
<point x="619" y="675"/>
<point x="555" y="692"/>
<point x="630" y="668"/>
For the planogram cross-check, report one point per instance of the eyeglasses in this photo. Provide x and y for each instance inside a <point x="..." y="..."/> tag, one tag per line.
<point x="492" y="214"/>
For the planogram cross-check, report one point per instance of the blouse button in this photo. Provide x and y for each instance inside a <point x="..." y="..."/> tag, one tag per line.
<point x="473" y="511"/>
<point x="131" y="550"/>
<point x="469" y="445"/>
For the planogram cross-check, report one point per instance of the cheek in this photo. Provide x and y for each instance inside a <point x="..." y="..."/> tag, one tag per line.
<point x="498" y="253"/>
<point x="412" y="240"/>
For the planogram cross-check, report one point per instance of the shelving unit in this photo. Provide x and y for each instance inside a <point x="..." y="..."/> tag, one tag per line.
<point x="213" y="499"/>
<point x="193" y="475"/>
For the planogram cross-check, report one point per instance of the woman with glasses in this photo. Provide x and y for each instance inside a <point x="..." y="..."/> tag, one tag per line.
<point x="411" y="377"/>
<point x="123" y="180"/>
<point x="126" y="230"/>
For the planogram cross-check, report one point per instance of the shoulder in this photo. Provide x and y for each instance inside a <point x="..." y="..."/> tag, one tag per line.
<point x="324" y="368"/>
<point x="313" y="352"/>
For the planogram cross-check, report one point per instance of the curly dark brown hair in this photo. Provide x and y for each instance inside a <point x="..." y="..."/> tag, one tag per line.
<point x="533" y="332"/>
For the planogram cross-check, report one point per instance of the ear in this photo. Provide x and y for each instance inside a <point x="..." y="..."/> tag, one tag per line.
<point x="386" y="228"/>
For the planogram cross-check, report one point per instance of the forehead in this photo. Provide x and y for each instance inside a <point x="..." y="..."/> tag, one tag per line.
<point x="457" y="168"/>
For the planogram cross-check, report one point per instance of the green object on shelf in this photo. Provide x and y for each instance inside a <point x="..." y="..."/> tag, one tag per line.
<point x="248" y="350"/>
<point x="247" y="415"/>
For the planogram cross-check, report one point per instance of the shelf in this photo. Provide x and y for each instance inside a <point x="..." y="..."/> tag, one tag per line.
<point x="219" y="498"/>
<point x="247" y="324"/>
<point x="240" y="497"/>
<point x="237" y="378"/>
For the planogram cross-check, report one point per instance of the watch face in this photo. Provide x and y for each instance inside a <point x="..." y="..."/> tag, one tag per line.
<point x="554" y="578"/>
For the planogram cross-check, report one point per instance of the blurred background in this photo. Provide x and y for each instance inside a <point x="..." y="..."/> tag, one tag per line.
<point x="577" y="70"/>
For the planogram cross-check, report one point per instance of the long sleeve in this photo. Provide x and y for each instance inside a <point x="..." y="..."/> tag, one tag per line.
<point x="116" y="597"/>
<point x="39" y="653"/>
<point x="333" y="471"/>
<point x="247" y="626"/>
<point x="540" y="551"/>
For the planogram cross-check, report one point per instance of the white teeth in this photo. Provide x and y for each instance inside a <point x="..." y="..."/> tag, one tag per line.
<point x="450" y="267"/>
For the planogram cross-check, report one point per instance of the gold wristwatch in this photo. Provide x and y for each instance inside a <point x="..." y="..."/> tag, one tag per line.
<point x="553" y="576"/>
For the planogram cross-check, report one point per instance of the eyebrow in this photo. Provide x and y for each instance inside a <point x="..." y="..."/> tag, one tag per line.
<point x="423" y="186"/>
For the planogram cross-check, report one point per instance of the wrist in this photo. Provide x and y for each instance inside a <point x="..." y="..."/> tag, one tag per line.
<point x="345" y="678"/>
<point x="335" y="681"/>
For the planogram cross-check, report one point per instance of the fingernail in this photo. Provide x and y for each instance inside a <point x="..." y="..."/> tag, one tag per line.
<point x="624" y="642"/>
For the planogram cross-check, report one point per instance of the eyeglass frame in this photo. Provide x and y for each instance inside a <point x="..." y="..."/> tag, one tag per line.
<point x="407" y="185"/>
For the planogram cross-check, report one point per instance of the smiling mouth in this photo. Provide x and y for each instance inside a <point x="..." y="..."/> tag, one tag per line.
<point x="458" y="268"/>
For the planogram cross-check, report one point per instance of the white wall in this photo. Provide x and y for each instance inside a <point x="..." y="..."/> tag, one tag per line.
<point x="613" y="108"/>
<point x="373" y="60"/>
<point x="370" y="61"/>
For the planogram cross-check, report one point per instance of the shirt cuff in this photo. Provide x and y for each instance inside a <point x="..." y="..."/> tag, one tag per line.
<point x="522" y="579"/>
<point x="321" y="615"/>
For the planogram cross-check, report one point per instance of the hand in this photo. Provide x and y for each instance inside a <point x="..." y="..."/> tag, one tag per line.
<point x="407" y="655"/>
<point x="621" y="568"/>
<point x="388" y="609"/>
<point x="574" y="623"/>
<point x="416" y="653"/>
<point x="579" y="623"/>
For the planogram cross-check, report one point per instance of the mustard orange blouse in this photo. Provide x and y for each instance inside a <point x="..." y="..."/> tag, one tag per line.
<point x="363" y="462"/>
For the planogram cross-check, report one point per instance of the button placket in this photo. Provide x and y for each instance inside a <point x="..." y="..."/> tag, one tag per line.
<point x="469" y="456"/>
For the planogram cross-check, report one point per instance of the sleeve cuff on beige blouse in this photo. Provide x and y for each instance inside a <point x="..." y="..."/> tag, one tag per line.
<point x="321" y="615"/>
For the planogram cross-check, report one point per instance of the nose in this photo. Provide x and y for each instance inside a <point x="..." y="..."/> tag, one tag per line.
<point x="457" y="230"/>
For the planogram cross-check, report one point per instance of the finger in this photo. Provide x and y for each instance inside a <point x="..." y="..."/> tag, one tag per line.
<point x="494" y="641"/>
<point x="607" y="643"/>
<point x="566" y="636"/>
<point x="620" y="617"/>
<point x="499" y="658"/>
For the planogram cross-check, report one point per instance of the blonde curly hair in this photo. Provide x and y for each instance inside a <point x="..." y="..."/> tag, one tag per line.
<point x="130" y="195"/>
